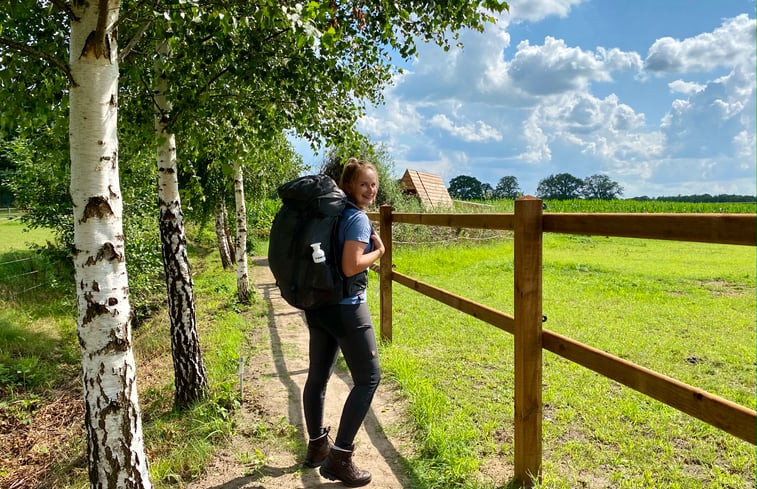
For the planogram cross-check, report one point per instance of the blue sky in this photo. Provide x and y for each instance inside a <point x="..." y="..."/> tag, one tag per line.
<point x="657" y="94"/>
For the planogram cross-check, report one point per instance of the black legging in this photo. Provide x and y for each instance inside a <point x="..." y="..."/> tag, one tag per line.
<point x="349" y="328"/>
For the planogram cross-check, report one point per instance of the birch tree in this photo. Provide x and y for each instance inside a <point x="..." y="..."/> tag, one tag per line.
<point x="222" y="237"/>
<point x="115" y="443"/>
<point x="243" y="283"/>
<point x="190" y="378"/>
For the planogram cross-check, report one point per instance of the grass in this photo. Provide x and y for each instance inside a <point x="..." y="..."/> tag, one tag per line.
<point x="16" y="236"/>
<point x="686" y="310"/>
<point x="181" y="444"/>
<point x="37" y="342"/>
<point x="40" y="363"/>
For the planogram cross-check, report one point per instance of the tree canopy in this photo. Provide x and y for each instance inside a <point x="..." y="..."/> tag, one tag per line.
<point x="600" y="187"/>
<point x="507" y="188"/>
<point x="466" y="187"/>
<point x="562" y="186"/>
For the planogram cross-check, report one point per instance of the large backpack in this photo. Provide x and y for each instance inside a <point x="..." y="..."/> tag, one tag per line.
<point x="312" y="206"/>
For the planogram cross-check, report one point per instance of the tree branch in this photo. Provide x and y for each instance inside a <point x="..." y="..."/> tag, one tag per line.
<point x="65" y="8"/>
<point x="213" y="80"/>
<point x="177" y="114"/>
<point x="134" y="8"/>
<point x="276" y="34"/>
<point x="102" y="26"/>
<point x="133" y="41"/>
<point x="23" y="48"/>
<point x="151" y="93"/>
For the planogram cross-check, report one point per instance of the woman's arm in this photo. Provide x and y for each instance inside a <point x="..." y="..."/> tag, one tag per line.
<point x="354" y="260"/>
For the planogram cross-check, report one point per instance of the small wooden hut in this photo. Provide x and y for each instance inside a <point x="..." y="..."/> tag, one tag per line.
<point x="429" y="189"/>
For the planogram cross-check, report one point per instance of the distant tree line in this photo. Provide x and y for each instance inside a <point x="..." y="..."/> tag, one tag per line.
<point x="564" y="186"/>
<point x="700" y="198"/>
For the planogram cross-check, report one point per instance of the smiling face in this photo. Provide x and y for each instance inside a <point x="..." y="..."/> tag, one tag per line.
<point x="363" y="188"/>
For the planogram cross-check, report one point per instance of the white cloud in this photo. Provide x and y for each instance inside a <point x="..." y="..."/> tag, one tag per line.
<point x="744" y="143"/>
<point x="555" y="67"/>
<point x="537" y="143"/>
<point x="477" y="132"/>
<point x="686" y="88"/>
<point x="446" y="164"/>
<point x="582" y="113"/>
<point x="597" y="132"/>
<point x="535" y="10"/>
<point x="395" y="117"/>
<point x="731" y="44"/>
<point x="475" y="73"/>
<point x="539" y="112"/>
<point x="705" y="124"/>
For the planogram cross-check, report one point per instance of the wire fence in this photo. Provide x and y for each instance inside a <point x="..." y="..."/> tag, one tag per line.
<point x="9" y="213"/>
<point x="19" y="276"/>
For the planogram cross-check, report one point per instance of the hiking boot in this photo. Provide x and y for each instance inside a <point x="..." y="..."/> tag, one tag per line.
<point x="318" y="450"/>
<point x="339" y="466"/>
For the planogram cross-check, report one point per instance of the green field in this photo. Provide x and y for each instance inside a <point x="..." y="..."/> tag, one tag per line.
<point x="622" y="205"/>
<point x="40" y="365"/>
<point x="16" y="236"/>
<point x="686" y="310"/>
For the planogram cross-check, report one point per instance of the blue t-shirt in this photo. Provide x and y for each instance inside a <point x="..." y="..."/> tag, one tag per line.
<point x="354" y="226"/>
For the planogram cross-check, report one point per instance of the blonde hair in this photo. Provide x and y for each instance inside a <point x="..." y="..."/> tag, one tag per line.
<point x="352" y="169"/>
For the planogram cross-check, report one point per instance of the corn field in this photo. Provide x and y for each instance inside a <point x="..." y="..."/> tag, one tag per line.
<point x="633" y="206"/>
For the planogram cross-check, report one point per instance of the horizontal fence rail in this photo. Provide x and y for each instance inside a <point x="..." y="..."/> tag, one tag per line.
<point x="9" y="212"/>
<point x="487" y="314"/>
<point x="736" y="229"/>
<point x="728" y="416"/>
<point x="717" y="411"/>
<point x="472" y="221"/>
<point x="739" y="229"/>
<point x="19" y="260"/>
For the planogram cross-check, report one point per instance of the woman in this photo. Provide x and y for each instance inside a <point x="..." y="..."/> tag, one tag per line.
<point x="347" y="327"/>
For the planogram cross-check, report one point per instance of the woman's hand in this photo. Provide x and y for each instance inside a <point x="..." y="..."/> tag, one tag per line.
<point x="354" y="258"/>
<point x="378" y="245"/>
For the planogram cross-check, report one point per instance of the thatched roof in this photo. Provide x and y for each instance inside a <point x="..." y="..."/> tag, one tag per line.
<point x="429" y="188"/>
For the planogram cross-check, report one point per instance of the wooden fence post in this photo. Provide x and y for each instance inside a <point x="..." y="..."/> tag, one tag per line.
<point x="528" y="346"/>
<point x="385" y="273"/>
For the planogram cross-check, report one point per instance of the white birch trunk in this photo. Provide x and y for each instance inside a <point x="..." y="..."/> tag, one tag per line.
<point x="113" y="423"/>
<point x="229" y="240"/>
<point x="221" y="237"/>
<point x="243" y="284"/>
<point x="190" y="378"/>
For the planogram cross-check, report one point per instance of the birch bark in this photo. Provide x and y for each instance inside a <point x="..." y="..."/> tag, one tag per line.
<point x="115" y="443"/>
<point x="190" y="378"/>
<point x="222" y="237"/>
<point x="243" y="284"/>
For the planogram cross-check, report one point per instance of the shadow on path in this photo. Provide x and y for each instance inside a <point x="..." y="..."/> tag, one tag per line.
<point x="386" y="450"/>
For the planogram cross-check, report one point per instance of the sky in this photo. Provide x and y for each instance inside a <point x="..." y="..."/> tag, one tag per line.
<point x="659" y="95"/>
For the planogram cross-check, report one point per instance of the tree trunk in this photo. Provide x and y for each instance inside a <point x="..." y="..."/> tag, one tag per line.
<point x="190" y="378"/>
<point x="115" y="444"/>
<point x="229" y="241"/>
<point x="243" y="284"/>
<point x="221" y="236"/>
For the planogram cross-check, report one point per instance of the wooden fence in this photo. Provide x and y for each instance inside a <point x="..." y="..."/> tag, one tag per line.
<point x="529" y="223"/>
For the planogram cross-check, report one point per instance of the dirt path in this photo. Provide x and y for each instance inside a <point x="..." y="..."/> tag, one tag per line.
<point x="274" y="378"/>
